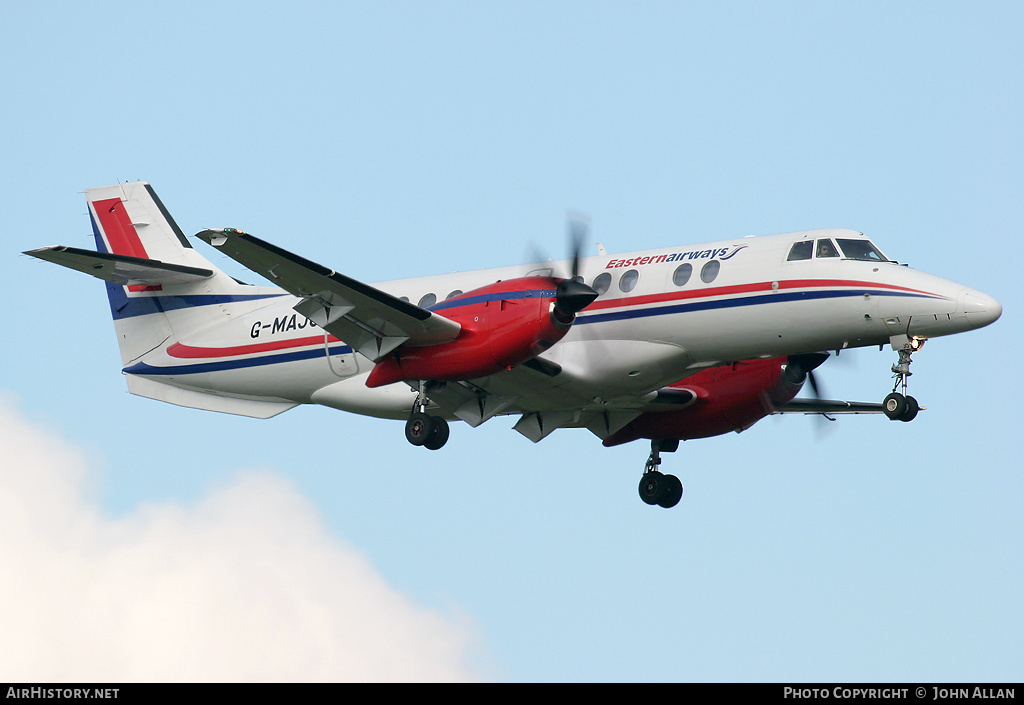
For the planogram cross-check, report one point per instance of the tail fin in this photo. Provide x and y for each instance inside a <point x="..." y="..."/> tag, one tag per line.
<point x="161" y="291"/>
<point x="157" y="284"/>
<point x="129" y="219"/>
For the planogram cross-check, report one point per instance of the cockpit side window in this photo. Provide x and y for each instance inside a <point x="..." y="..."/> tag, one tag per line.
<point x="826" y="249"/>
<point x="801" y="250"/>
<point x="861" y="249"/>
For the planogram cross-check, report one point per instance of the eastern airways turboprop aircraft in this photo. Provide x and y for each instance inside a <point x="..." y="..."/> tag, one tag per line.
<point x="666" y="345"/>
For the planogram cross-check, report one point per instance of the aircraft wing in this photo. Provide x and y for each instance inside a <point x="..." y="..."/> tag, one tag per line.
<point x="546" y="396"/>
<point x="539" y="390"/>
<point x="373" y="322"/>
<point x="829" y="406"/>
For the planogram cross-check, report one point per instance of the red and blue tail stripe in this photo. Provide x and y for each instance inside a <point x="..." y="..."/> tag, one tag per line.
<point x="122" y="239"/>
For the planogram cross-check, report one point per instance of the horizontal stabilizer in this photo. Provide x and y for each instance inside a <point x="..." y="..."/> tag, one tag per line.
<point x="121" y="269"/>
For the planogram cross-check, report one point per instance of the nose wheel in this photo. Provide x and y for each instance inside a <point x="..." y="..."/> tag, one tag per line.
<point x="898" y="406"/>
<point x="656" y="487"/>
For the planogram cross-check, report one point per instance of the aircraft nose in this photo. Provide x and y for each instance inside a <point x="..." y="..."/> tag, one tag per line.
<point x="981" y="309"/>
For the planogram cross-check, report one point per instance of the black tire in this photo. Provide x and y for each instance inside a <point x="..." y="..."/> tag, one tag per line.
<point x="652" y="487"/>
<point x="440" y="435"/>
<point x="895" y="406"/>
<point x="672" y="492"/>
<point x="912" y="408"/>
<point x="419" y="429"/>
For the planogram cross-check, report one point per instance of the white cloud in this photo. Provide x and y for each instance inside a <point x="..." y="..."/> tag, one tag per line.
<point x="245" y="584"/>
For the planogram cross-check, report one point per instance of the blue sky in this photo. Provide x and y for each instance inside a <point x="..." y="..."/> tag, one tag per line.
<point x="392" y="140"/>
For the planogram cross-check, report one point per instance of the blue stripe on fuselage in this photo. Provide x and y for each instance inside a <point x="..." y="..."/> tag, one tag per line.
<point x="496" y="296"/>
<point x="584" y="317"/>
<point x="141" y="368"/>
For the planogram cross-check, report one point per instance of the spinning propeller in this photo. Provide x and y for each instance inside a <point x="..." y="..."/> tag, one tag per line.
<point x="801" y="367"/>
<point x="572" y="295"/>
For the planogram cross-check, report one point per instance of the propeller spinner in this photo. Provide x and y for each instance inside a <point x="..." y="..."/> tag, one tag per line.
<point x="801" y="367"/>
<point x="573" y="295"/>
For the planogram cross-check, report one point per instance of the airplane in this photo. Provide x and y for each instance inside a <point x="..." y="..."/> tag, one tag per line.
<point x="669" y="344"/>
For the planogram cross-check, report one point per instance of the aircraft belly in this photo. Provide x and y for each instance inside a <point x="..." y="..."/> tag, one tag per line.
<point x="295" y="381"/>
<point x="613" y="368"/>
<point x="260" y="407"/>
<point x="392" y="401"/>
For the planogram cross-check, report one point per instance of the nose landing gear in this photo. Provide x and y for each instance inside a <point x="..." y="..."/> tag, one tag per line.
<point x="655" y="487"/>
<point x="897" y="405"/>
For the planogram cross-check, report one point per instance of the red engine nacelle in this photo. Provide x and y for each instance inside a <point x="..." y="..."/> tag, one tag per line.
<point x="728" y="398"/>
<point x="503" y="324"/>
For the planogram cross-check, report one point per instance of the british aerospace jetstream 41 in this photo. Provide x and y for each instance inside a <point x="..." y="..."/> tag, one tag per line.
<point x="665" y="345"/>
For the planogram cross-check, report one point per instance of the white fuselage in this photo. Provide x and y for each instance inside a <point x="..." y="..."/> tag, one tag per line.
<point x="649" y="328"/>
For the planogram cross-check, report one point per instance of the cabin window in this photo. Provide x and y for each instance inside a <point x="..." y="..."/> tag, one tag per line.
<point x="682" y="274"/>
<point x="628" y="280"/>
<point x="709" y="272"/>
<point x="404" y="298"/>
<point x="601" y="282"/>
<point x="428" y="300"/>
<point x="801" y="250"/>
<point x="826" y="249"/>
<point x="457" y="292"/>
<point x="861" y="249"/>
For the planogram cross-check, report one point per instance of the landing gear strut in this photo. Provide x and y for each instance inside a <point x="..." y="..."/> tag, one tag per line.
<point x="655" y="487"/>
<point x="421" y="429"/>
<point x="897" y="405"/>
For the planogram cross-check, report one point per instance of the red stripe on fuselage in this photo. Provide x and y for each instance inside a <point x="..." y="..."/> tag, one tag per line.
<point x="764" y="287"/>
<point x="180" y="350"/>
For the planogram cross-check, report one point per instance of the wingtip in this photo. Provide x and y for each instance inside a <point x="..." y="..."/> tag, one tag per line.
<point x="218" y="236"/>
<point x="213" y="236"/>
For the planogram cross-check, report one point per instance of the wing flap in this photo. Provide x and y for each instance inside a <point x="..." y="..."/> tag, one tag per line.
<point x="120" y="269"/>
<point x="370" y="320"/>
<point x="829" y="406"/>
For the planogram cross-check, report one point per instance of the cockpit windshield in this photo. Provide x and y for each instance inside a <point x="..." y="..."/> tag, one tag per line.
<point x="861" y="249"/>
<point x="826" y="249"/>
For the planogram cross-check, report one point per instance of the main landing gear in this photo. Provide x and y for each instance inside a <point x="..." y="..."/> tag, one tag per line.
<point x="898" y="406"/>
<point x="655" y="487"/>
<point x="425" y="430"/>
